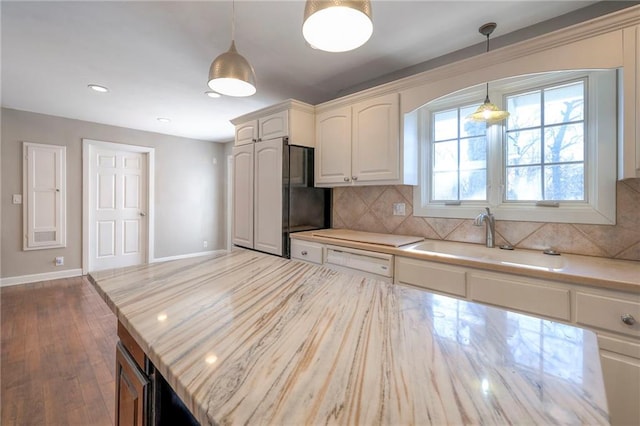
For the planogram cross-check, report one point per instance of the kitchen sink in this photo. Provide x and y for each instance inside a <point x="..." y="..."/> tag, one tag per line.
<point x="522" y="258"/>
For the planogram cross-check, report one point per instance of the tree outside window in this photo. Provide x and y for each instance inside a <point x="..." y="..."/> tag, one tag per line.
<point x="545" y="144"/>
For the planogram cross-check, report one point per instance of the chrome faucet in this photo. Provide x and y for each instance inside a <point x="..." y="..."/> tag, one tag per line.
<point x="490" y="221"/>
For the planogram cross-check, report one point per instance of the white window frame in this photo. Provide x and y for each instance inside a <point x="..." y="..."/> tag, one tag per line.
<point x="600" y="162"/>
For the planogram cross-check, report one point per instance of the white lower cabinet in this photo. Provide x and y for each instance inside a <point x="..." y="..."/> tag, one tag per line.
<point x="613" y="315"/>
<point x="307" y="251"/>
<point x="521" y="294"/>
<point x="620" y="361"/>
<point x="431" y="276"/>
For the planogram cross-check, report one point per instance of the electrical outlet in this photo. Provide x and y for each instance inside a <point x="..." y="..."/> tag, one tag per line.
<point x="205" y="244"/>
<point x="399" y="209"/>
<point x="59" y="260"/>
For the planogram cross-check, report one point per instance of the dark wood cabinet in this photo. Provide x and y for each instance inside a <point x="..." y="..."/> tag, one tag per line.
<point x="143" y="397"/>
<point x="132" y="391"/>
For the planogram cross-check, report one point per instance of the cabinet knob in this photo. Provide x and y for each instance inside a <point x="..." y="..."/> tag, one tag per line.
<point x="254" y="140"/>
<point x="303" y="252"/>
<point x="346" y="179"/>
<point x="354" y="177"/>
<point x="628" y="319"/>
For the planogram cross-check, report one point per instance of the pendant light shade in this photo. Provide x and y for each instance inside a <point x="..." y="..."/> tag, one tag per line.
<point x="337" y="25"/>
<point x="230" y="73"/>
<point x="488" y="112"/>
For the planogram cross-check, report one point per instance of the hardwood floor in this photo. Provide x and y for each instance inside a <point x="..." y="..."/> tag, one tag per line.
<point x="57" y="356"/>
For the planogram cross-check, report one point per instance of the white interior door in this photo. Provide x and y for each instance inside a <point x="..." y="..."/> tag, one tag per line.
<point x="118" y="208"/>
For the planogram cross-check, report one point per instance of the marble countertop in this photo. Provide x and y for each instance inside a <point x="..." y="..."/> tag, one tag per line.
<point x="599" y="272"/>
<point x="249" y="338"/>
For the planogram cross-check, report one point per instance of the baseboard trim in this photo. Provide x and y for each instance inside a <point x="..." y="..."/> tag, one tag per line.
<point x="187" y="256"/>
<point x="46" y="276"/>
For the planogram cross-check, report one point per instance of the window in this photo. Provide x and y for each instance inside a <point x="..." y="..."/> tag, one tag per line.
<point x="545" y="157"/>
<point x="552" y="160"/>
<point x="459" y="156"/>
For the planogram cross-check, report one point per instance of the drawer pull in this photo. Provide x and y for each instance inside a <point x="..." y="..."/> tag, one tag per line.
<point x="304" y="252"/>
<point x="628" y="319"/>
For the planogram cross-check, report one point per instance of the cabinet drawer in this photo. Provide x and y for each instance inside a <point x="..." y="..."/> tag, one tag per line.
<point x="303" y="250"/>
<point x="606" y="313"/>
<point x="623" y="347"/>
<point x="430" y="276"/>
<point x="535" y="298"/>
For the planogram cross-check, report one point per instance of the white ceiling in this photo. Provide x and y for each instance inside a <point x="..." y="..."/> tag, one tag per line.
<point x="155" y="56"/>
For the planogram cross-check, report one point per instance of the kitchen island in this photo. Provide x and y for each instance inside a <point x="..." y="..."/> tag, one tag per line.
<point x="248" y="338"/>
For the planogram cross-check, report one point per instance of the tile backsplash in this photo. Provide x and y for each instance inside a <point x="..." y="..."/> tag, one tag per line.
<point x="370" y="208"/>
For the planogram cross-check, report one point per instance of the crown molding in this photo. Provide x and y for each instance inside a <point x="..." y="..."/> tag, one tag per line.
<point x="582" y="31"/>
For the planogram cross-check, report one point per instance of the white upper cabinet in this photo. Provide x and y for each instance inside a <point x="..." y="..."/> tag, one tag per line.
<point x="247" y="133"/>
<point x="375" y="141"/>
<point x="629" y="163"/>
<point x="333" y="147"/>
<point x="273" y="126"/>
<point x="291" y="119"/>
<point x="360" y="144"/>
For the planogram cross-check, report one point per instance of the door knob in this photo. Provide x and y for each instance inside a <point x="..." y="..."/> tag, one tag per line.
<point x="142" y="214"/>
<point x="628" y="319"/>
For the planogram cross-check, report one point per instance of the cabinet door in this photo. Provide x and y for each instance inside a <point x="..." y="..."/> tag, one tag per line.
<point x="629" y="164"/>
<point x="622" y="382"/>
<point x="243" y="195"/>
<point x="268" y="196"/>
<point x="376" y="139"/>
<point x="431" y="276"/>
<point x="522" y="294"/>
<point x="333" y="147"/>
<point x="273" y="126"/>
<point x="132" y="387"/>
<point x="247" y="133"/>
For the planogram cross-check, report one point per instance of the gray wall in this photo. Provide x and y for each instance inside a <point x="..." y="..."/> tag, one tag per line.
<point x="189" y="189"/>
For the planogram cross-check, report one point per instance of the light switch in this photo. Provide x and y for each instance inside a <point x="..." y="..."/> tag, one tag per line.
<point x="17" y="199"/>
<point x="399" y="209"/>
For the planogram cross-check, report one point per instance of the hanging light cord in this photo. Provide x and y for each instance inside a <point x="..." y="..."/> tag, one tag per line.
<point x="233" y="23"/>
<point x="486" y="99"/>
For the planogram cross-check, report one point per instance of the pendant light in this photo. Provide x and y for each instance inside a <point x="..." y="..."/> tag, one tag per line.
<point x="488" y="112"/>
<point x="230" y="73"/>
<point x="337" y="25"/>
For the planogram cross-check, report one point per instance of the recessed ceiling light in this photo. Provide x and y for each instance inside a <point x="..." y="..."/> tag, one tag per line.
<point x="164" y="120"/>
<point x="212" y="94"/>
<point x="98" y="88"/>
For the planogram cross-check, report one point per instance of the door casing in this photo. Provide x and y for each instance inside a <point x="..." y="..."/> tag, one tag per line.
<point x="87" y="146"/>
